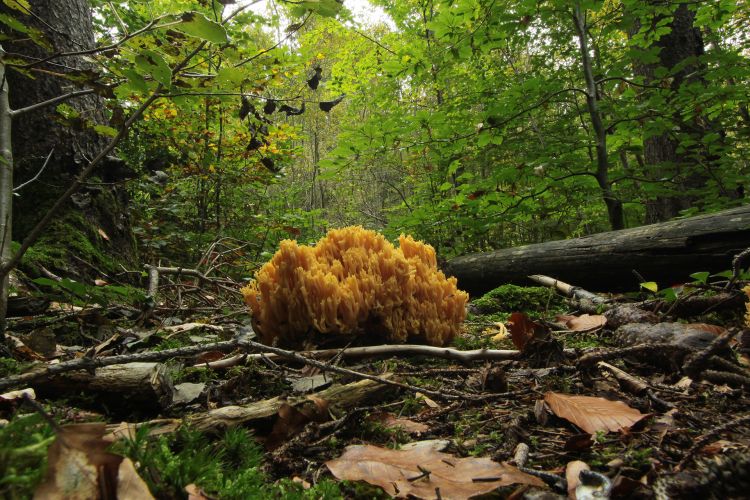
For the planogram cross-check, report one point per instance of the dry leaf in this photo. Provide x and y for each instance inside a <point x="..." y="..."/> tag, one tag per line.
<point x="593" y="414"/>
<point x="19" y="394"/>
<point x="100" y="282"/>
<point x="293" y="419"/>
<point x="572" y="473"/>
<point x="80" y="467"/>
<point x="705" y="327"/>
<point x="522" y="329"/>
<point x="420" y="471"/>
<point x="195" y="493"/>
<point x="130" y="486"/>
<point x="102" y="234"/>
<point x="426" y="400"/>
<point x="582" y="323"/>
<point x="390" y="420"/>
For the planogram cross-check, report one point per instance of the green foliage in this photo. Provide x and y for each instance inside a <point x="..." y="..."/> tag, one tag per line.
<point x="84" y="294"/>
<point x="9" y="366"/>
<point x="228" y="467"/>
<point x="23" y="455"/>
<point x="512" y="298"/>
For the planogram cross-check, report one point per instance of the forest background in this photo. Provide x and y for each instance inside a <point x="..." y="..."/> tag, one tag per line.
<point x="470" y="124"/>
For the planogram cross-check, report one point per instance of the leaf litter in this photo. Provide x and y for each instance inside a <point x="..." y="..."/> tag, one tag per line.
<point x="654" y="413"/>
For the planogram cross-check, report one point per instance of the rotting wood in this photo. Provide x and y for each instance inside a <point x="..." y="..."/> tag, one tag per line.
<point x="138" y="380"/>
<point x="667" y="253"/>
<point x="338" y="396"/>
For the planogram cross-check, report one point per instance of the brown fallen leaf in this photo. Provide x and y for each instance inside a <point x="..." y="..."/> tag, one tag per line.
<point x="80" y="467"/>
<point x="420" y="471"/>
<point x="293" y="419"/>
<point x="582" y="323"/>
<point x="390" y="420"/>
<point x="593" y="414"/>
<point x="523" y="329"/>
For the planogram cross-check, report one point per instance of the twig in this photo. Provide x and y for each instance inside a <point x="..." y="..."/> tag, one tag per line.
<point x="383" y="350"/>
<point x="659" y="349"/>
<point x="230" y="345"/>
<point x="50" y="102"/>
<point x="728" y="378"/>
<point x="18" y="188"/>
<point x="630" y="383"/>
<point x="710" y="435"/>
<point x="697" y="362"/>
<point x="568" y="290"/>
<point x="737" y="263"/>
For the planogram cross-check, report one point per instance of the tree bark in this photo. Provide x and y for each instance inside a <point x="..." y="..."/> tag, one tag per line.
<point x="667" y="253"/>
<point x="67" y="24"/>
<point x="661" y="151"/>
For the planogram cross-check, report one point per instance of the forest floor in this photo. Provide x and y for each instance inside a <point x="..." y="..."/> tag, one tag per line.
<point x="648" y="397"/>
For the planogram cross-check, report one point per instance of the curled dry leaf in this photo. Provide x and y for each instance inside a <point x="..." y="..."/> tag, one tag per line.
<point x="523" y="329"/>
<point x="390" y="420"/>
<point x="80" y="467"/>
<point x="19" y="394"/>
<point x="419" y="472"/>
<point x="582" y="323"/>
<point x="593" y="414"/>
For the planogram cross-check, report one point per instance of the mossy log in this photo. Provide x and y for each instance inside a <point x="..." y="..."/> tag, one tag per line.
<point x="140" y="381"/>
<point x="667" y="253"/>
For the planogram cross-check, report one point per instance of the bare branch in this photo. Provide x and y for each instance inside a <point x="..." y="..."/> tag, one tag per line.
<point x="50" y="102"/>
<point x="18" y="188"/>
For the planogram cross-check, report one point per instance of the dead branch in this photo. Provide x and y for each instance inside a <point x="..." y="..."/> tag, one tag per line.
<point x="342" y="396"/>
<point x="381" y="350"/>
<point x="568" y="290"/>
<point x="48" y="371"/>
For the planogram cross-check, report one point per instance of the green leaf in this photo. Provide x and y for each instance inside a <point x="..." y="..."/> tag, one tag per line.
<point x="230" y="76"/>
<point x="701" y="277"/>
<point x="669" y="294"/>
<point x="724" y="274"/>
<point x="152" y="63"/>
<point x="651" y="286"/>
<point x="197" y="25"/>
<point x="453" y="167"/>
<point x="327" y="8"/>
<point x="19" y="5"/>
<point x="105" y="130"/>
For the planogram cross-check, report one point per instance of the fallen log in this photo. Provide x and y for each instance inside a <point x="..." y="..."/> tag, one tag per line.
<point x="667" y="253"/>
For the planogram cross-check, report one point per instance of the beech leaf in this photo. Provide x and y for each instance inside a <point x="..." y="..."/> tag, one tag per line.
<point x="593" y="414"/>
<point x="418" y="472"/>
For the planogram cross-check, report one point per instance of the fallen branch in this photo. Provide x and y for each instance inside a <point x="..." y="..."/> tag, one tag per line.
<point x="568" y="290"/>
<point x="90" y="364"/>
<point x="341" y="396"/>
<point x="379" y="350"/>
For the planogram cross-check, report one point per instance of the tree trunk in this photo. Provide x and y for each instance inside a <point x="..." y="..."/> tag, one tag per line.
<point x="668" y="253"/>
<point x="96" y="210"/>
<point x="614" y="205"/>
<point x="661" y="151"/>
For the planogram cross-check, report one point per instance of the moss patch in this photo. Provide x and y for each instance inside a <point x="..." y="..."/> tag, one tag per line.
<point x="511" y="298"/>
<point x="66" y="237"/>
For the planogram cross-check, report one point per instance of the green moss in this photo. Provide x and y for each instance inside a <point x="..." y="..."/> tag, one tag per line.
<point x="8" y="367"/>
<point x="512" y="298"/>
<point x="227" y="468"/>
<point x="70" y="235"/>
<point x="23" y="455"/>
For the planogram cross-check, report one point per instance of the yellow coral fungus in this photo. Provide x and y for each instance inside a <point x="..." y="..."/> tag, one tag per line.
<point x="355" y="282"/>
<point x="747" y="306"/>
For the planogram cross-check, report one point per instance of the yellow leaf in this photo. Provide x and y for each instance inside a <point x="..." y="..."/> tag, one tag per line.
<point x="651" y="286"/>
<point x="19" y="5"/>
